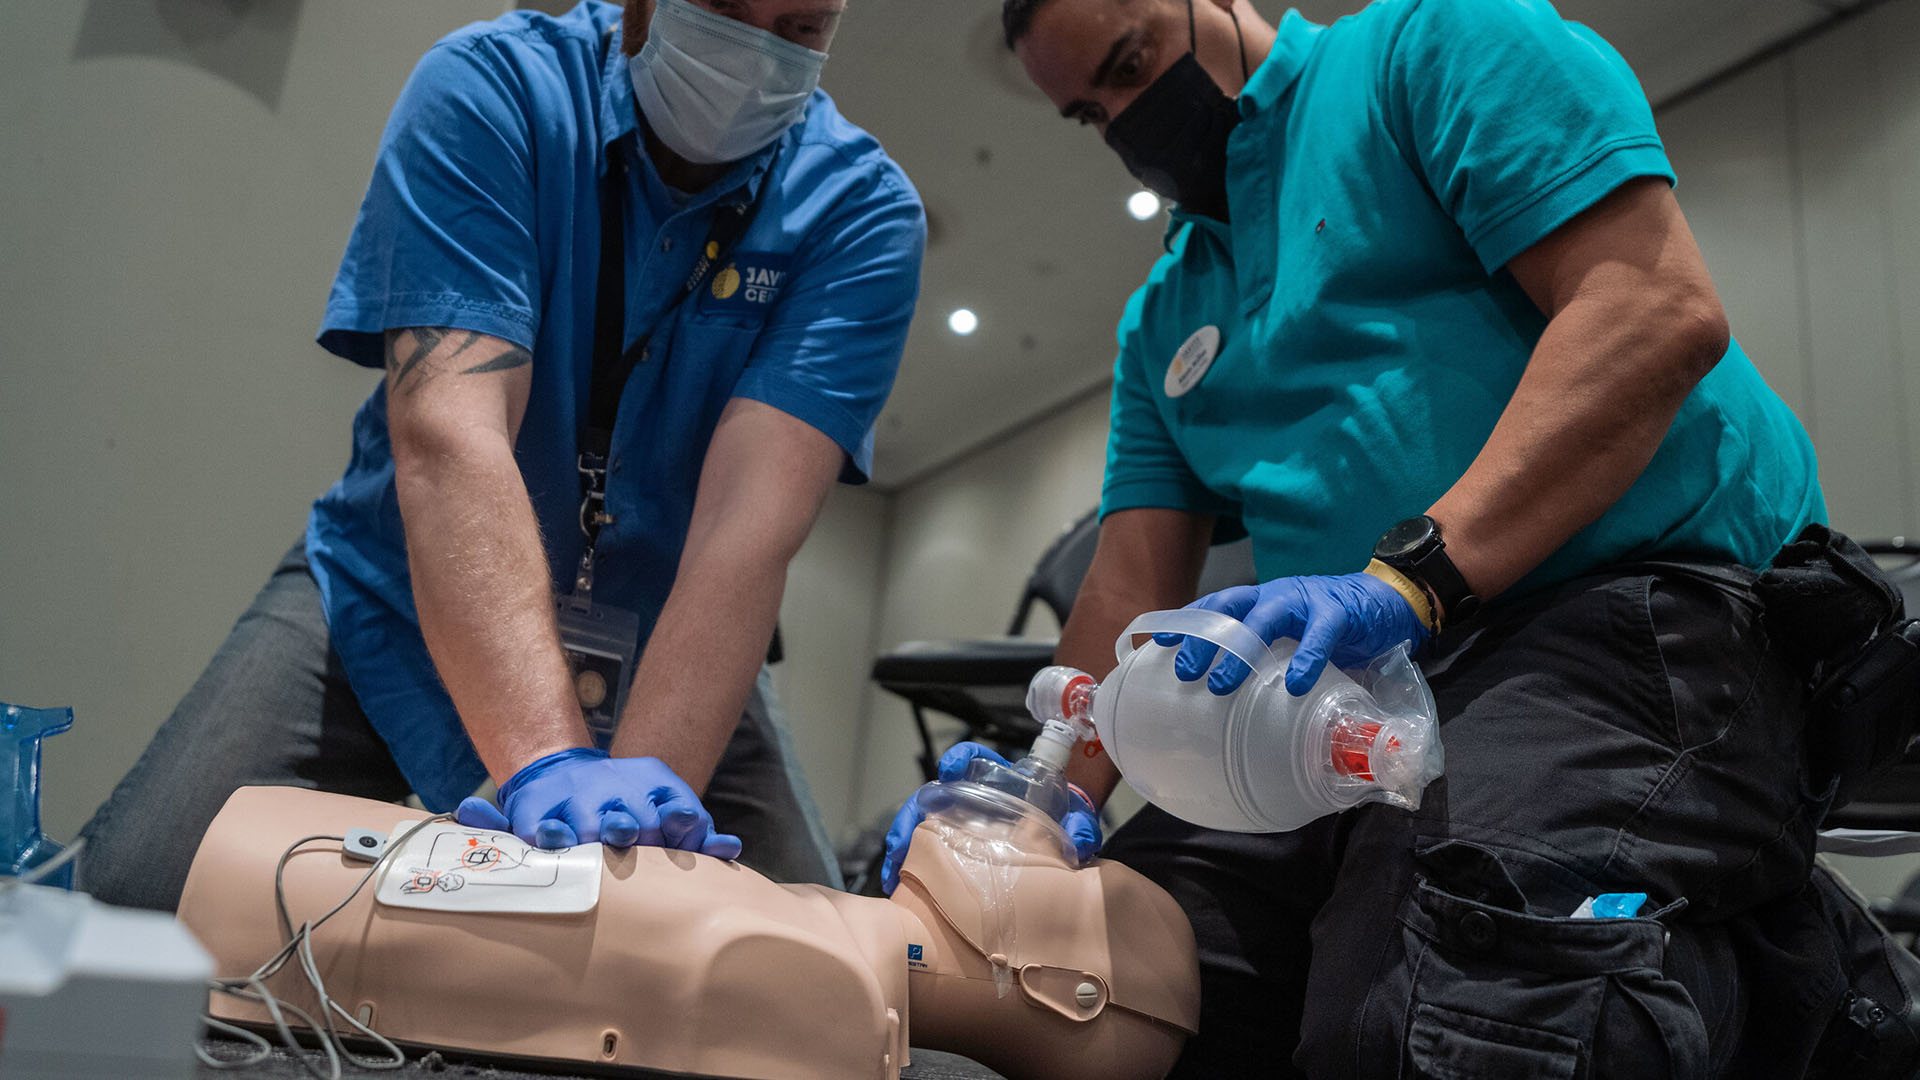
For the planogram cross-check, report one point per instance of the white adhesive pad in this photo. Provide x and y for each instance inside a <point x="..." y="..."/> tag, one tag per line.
<point x="449" y="867"/>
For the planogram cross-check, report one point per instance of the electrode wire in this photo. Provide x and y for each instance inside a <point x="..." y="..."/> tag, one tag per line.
<point x="253" y="987"/>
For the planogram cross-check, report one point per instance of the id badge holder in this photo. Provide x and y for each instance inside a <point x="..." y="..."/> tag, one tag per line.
<point x="601" y="642"/>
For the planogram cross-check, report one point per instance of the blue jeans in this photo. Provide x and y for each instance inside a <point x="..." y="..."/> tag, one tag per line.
<point x="274" y="707"/>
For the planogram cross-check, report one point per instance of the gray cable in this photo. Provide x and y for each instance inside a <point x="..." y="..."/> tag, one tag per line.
<point x="299" y="945"/>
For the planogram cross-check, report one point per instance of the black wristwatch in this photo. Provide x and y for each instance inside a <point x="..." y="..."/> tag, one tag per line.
<point x="1414" y="548"/>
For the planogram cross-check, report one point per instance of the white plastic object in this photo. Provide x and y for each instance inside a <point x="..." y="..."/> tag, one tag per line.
<point x="364" y="844"/>
<point x="449" y="867"/>
<point x="92" y="990"/>
<point x="1259" y="759"/>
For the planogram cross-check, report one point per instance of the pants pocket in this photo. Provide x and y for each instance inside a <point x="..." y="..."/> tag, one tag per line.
<point x="1451" y="1045"/>
<point x="1494" y="992"/>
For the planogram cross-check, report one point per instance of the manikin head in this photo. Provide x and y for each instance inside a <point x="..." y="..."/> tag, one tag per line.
<point x="1096" y="60"/>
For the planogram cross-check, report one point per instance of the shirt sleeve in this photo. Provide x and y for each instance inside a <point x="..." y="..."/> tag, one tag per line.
<point x="832" y="347"/>
<point x="445" y="236"/>
<point x="1518" y="118"/>
<point x="1145" y="466"/>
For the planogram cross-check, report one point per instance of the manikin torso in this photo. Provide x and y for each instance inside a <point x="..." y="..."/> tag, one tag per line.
<point x="693" y="965"/>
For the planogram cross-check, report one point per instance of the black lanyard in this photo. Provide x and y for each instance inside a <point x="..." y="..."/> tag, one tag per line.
<point x="614" y="365"/>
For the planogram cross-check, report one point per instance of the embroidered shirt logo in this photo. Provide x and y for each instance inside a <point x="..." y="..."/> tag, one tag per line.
<point x="751" y="281"/>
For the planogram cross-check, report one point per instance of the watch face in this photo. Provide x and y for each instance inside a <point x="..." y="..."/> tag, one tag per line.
<point x="1404" y="539"/>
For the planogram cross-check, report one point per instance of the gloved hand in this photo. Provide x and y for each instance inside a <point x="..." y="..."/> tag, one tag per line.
<point x="1082" y="821"/>
<point x="1350" y="619"/>
<point x="580" y="796"/>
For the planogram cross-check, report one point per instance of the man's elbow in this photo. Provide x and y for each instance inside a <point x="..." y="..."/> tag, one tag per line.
<point x="1697" y="328"/>
<point x="427" y="446"/>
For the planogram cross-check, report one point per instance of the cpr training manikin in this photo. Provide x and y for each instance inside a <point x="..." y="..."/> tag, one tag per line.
<point x="998" y="943"/>
<point x="994" y="946"/>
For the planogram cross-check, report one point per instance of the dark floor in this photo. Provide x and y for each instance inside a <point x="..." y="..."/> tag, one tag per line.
<point x="927" y="1065"/>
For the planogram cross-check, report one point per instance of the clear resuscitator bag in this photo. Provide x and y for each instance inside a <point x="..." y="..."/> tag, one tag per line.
<point x="1259" y="759"/>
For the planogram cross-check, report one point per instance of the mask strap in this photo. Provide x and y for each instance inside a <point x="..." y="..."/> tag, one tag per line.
<point x="1239" y="40"/>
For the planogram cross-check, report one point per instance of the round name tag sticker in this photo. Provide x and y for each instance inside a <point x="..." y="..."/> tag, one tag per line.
<point x="1190" y="364"/>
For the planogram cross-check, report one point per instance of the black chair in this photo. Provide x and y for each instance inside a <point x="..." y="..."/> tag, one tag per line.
<point x="983" y="683"/>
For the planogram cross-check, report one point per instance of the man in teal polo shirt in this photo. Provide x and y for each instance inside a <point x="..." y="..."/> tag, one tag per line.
<point x="761" y="262"/>
<point x="1433" y="330"/>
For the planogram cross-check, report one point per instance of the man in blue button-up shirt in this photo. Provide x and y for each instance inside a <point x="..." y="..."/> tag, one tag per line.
<point x="411" y="640"/>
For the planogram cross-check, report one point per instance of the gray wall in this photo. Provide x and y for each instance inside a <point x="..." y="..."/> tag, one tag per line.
<point x="179" y="181"/>
<point x="1802" y="180"/>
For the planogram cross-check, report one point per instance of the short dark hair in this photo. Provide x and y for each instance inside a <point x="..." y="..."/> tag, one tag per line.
<point x="1016" y="18"/>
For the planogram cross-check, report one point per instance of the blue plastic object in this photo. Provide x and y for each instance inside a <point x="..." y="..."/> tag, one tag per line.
<point x="583" y="796"/>
<point x="1618" y="905"/>
<point x="22" y="845"/>
<point x="1350" y="619"/>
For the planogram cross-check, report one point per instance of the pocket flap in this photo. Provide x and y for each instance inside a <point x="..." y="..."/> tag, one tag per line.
<point x="1450" y="1045"/>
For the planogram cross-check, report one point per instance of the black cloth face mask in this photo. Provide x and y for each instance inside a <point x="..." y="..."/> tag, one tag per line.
<point x="1173" y="138"/>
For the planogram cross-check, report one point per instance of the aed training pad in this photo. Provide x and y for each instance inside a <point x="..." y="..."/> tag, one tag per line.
<point x="450" y="867"/>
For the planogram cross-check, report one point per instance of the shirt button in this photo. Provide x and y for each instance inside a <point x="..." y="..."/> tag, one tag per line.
<point x="1478" y="929"/>
<point x="667" y="244"/>
<point x="615" y="466"/>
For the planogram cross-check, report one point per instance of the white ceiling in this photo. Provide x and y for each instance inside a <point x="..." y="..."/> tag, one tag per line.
<point x="1028" y="211"/>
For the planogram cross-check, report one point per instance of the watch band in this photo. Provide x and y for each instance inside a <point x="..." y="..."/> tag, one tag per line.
<point x="1426" y="562"/>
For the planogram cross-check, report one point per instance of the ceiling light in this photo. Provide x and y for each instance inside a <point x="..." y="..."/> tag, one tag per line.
<point x="1143" y="205"/>
<point x="963" y="322"/>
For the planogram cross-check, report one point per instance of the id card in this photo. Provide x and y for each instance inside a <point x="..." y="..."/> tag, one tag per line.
<point x="600" y="645"/>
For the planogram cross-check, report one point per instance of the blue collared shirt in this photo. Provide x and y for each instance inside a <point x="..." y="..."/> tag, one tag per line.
<point x="1385" y="171"/>
<point x="484" y="214"/>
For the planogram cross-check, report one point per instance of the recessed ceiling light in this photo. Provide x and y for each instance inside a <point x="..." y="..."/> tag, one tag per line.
<point x="1143" y="205"/>
<point x="963" y="322"/>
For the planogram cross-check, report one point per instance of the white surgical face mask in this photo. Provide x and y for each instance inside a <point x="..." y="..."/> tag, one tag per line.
<point x="717" y="90"/>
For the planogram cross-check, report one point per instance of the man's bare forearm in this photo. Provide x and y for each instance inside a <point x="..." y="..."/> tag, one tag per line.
<point x="701" y="661"/>
<point x="1602" y="393"/>
<point x="765" y="476"/>
<point x="479" y="573"/>
<point x="1634" y="325"/>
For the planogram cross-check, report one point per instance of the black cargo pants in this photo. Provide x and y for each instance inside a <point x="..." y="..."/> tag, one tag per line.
<point x="1632" y="731"/>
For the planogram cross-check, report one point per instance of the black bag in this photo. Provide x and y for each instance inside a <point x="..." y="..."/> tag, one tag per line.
<point x="1830" y="606"/>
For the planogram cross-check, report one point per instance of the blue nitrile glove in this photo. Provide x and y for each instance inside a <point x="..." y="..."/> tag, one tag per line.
<point x="1350" y="619"/>
<point x="1081" y="821"/>
<point x="582" y="795"/>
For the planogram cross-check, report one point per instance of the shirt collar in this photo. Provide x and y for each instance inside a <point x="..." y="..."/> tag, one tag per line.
<point x="620" y="117"/>
<point x="1292" y="45"/>
<point x="1281" y="69"/>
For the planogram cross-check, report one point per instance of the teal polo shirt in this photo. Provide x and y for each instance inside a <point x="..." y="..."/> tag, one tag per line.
<point x="1386" y="169"/>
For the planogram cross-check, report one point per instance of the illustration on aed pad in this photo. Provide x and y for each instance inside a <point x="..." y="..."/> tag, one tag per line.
<point x="459" y="859"/>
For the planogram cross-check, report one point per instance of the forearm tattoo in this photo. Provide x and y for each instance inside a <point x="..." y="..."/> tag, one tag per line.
<point x="416" y="356"/>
